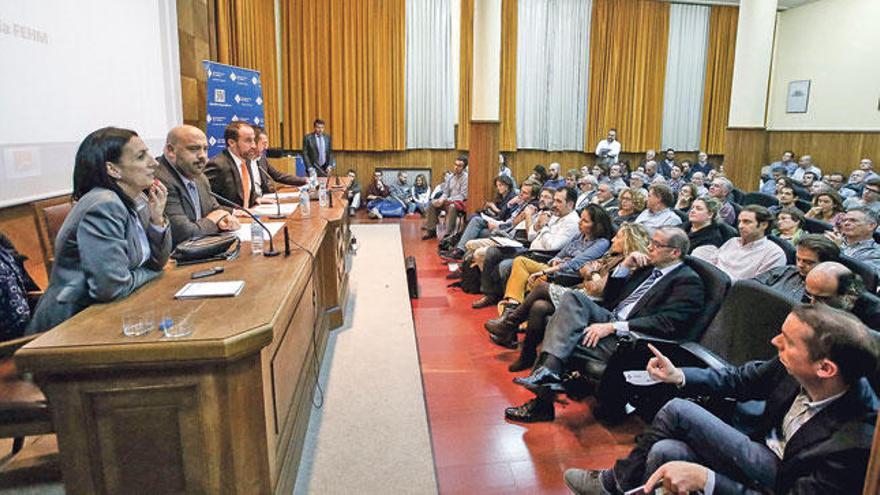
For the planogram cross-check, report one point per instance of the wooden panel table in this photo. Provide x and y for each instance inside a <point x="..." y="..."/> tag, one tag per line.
<point x="223" y="410"/>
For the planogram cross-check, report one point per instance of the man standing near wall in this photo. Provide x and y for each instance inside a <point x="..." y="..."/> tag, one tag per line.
<point x="317" y="151"/>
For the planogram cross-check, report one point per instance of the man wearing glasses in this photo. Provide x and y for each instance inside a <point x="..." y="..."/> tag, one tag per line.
<point x="856" y="237"/>
<point x="834" y="284"/>
<point x="870" y="196"/>
<point x="654" y="293"/>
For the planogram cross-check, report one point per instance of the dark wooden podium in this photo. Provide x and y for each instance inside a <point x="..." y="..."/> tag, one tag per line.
<point x="223" y="410"/>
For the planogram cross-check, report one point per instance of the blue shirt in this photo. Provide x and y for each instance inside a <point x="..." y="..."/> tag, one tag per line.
<point x="578" y="252"/>
<point x="555" y="183"/>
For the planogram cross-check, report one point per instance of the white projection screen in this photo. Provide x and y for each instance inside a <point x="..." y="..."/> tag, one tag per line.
<point x="70" y="67"/>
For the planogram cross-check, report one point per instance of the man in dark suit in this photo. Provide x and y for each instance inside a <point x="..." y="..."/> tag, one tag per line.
<point x="317" y="151"/>
<point x="654" y="293"/>
<point x="228" y="170"/>
<point x="190" y="208"/>
<point x="665" y="166"/>
<point x="813" y="437"/>
<point x="267" y="170"/>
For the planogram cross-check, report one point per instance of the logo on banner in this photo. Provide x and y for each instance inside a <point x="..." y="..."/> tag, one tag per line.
<point x="220" y="95"/>
<point x="237" y="99"/>
<point x="259" y="100"/>
<point x="254" y="80"/>
<point x="232" y="76"/>
<point x="208" y="118"/>
<point x="235" y="118"/>
<point x="210" y="72"/>
<point x="212" y="141"/>
<point x="257" y="120"/>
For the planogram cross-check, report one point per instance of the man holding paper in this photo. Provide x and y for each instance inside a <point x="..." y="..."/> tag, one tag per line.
<point x="813" y="437"/>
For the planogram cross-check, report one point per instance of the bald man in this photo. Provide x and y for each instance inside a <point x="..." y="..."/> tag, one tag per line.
<point x="835" y="285"/>
<point x="191" y="210"/>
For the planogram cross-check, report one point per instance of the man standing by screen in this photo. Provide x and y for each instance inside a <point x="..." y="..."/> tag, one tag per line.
<point x="317" y="151"/>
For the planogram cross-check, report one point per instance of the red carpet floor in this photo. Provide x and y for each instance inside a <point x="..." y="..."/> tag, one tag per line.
<point x="467" y="387"/>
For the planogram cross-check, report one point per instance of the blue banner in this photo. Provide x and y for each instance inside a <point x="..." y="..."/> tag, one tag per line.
<point x="233" y="94"/>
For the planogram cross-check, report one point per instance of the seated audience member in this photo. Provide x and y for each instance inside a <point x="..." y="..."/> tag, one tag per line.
<point x="676" y="179"/>
<point x="787" y="199"/>
<point x="481" y="228"/>
<point x="542" y="301"/>
<point x="353" y="193"/>
<point x="836" y="181"/>
<point x="190" y="208"/>
<point x="665" y="166"/>
<point x="554" y="180"/>
<point x="452" y="200"/>
<point x="615" y="177"/>
<point x="571" y="178"/>
<point x="720" y="190"/>
<point x="703" y="228"/>
<point x="809" y="179"/>
<point x="604" y="197"/>
<point x="789" y="225"/>
<point x="867" y="166"/>
<point x="630" y="206"/>
<point x="814" y="436"/>
<point x="805" y="164"/>
<point x="818" y="187"/>
<point x="539" y="174"/>
<point x="377" y="191"/>
<point x="116" y="237"/>
<point x="870" y="196"/>
<point x="401" y="190"/>
<point x="15" y="283"/>
<point x="827" y="207"/>
<point x="266" y="169"/>
<point x="655" y="294"/>
<point x="856" y="236"/>
<point x="637" y="183"/>
<point x="651" y="172"/>
<point x="788" y="280"/>
<point x="650" y="155"/>
<point x="438" y="189"/>
<point x="419" y="196"/>
<point x="600" y="171"/>
<point x="586" y="187"/>
<point x="787" y="161"/>
<point x="658" y="212"/>
<point x="504" y="169"/>
<point x="499" y="208"/>
<point x="697" y="179"/>
<point x="750" y="254"/>
<point x="702" y="164"/>
<point x="593" y="241"/>
<point x="229" y="172"/>
<point x="686" y="197"/>
<point x="768" y="186"/>
<point x="855" y="182"/>
<point x="686" y="169"/>
<point x="837" y="286"/>
<point x="546" y="231"/>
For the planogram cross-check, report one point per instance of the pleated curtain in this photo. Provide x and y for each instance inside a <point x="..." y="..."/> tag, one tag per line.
<point x="685" y="76"/>
<point x="430" y="110"/>
<point x="552" y="73"/>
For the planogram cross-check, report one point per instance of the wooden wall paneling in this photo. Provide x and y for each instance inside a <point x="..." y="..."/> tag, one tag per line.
<point x="831" y="151"/>
<point x="483" y="162"/>
<point x="745" y="154"/>
<point x="195" y="32"/>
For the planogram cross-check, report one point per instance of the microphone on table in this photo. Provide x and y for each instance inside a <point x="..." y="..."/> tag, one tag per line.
<point x="224" y="201"/>
<point x="278" y="215"/>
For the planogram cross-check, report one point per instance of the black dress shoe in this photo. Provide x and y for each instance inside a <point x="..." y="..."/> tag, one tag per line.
<point x="484" y="302"/>
<point x="523" y="362"/>
<point x="541" y="378"/>
<point x="455" y="255"/>
<point x="431" y="234"/>
<point x="508" y="341"/>
<point x="531" y="412"/>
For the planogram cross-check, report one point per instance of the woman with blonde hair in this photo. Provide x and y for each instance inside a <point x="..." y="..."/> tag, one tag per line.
<point x="541" y="302"/>
<point x="631" y="204"/>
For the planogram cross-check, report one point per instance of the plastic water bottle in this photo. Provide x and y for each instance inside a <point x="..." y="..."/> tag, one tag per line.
<point x="313" y="178"/>
<point x="304" y="206"/>
<point x="256" y="239"/>
<point x="441" y="227"/>
<point x="322" y="194"/>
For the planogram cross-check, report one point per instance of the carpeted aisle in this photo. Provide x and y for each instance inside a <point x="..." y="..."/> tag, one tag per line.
<point x="372" y="434"/>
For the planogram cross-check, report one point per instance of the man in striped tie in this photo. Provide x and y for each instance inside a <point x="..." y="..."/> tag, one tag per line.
<point x="654" y="293"/>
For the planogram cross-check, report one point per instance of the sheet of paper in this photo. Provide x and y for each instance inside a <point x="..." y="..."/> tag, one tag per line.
<point x="286" y="195"/>
<point x="194" y="290"/>
<point x="453" y="267"/>
<point x="639" y="378"/>
<point x="505" y="242"/>
<point x="244" y="233"/>
<point x="286" y="209"/>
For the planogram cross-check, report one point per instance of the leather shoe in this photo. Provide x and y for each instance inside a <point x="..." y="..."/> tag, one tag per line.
<point x="541" y="378"/>
<point x="531" y="412"/>
<point x="431" y="234"/>
<point x="456" y="275"/>
<point x="508" y="341"/>
<point x="484" y="302"/>
<point x="455" y="255"/>
<point x="585" y="482"/>
<point x="523" y="362"/>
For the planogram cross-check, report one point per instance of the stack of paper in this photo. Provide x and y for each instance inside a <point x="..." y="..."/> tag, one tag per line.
<point x="286" y="209"/>
<point x="195" y="290"/>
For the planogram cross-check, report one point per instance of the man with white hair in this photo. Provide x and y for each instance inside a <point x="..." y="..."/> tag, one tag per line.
<point x="587" y="187"/>
<point x="720" y="189"/>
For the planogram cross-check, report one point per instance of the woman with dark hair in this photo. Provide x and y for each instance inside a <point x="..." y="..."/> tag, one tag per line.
<point x="420" y="196"/>
<point x="827" y="207"/>
<point x="116" y="237"/>
<point x="504" y="192"/>
<point x="539" y="173"/>
<point x="686" y="196"/>
<point x="703" y="228"/>
<point x="789" y="225"/>
<point x="594" y="239"/>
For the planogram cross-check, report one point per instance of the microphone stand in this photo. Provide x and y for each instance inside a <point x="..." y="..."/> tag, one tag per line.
<point x="271" y="252"/>
<point x="265" y="176"/>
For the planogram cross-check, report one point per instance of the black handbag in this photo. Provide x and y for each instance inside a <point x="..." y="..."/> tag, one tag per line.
<point x="210" y="247"/>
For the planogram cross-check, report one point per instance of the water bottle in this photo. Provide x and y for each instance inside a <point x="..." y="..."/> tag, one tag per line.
<point x="304" y="206"/>
<point x="322" y="194"/>
<point x="256" y="239"/>
<point x="441" y="227"/>
<point x="313" y="178"/>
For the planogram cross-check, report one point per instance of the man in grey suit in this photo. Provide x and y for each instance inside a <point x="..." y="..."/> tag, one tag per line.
<point x="317" y="150"/>
<point x="228" y="171"/>
<point x="191" y="210"/>
<point x="267" y="170"/>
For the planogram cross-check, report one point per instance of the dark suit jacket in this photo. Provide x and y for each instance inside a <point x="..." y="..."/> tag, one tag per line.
<point x="225" y="178"/>
<point x="310" y="153"/>
<point x="277" y="176"/>
<point x="828" y="454"/>
<point x="179" y="208"/>
<point x="667" y="309"/>
<point x="664" y="168"/>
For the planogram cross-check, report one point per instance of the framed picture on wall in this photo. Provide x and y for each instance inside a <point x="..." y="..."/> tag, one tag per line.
<point x="798" y="97"/>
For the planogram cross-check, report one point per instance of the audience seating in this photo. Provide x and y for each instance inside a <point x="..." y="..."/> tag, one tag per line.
<point x="759" y="198"/>
<point x="814" y="226"/>
<point x="49" y="214"/>
<point x="737" y="208"/>
<point x="728" y="231"/>
<point x="787" y="248"/>
<point x="803" y="205"/>
<point x="682" y="215"/>
<point x="862" y="269"/>
<point x="737" y="196"/>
